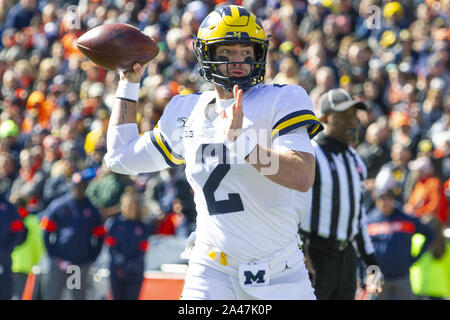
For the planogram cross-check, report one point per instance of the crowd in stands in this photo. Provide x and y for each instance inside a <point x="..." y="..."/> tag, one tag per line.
<point x="55" y="103"/>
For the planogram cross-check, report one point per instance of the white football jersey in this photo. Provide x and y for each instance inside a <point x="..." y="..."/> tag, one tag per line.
<point x="239" y="211"/>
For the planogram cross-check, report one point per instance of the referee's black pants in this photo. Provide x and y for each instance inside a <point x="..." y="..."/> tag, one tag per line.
<point x="335" y="277"/>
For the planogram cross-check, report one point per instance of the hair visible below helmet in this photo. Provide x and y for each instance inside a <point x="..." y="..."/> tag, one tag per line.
<point x="231" y="24"/>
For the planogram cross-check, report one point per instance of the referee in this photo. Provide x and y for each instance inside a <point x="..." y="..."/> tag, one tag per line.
<point x="335" y="227"/>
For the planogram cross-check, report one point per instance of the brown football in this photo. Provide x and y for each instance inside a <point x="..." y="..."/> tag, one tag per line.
<point x="117" y="46"/>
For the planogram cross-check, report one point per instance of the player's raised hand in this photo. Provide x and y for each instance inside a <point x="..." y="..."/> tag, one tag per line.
<point x="134" y="75"/>
<point x="234" y="128"/>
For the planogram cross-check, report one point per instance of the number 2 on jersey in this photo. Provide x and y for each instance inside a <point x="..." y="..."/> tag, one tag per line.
<point x="234" y="202"/>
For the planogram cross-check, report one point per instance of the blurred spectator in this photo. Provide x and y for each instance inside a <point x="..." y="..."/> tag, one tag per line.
<point x="369" y="93"/>
<point x="374" y="150"/>
<point x="441" y="152"/>
<point x="9" y="82"/>
<point x="358" y="56"/>
<point x="73" y="234"/>
<point x="288" y="72"/>
<point x="97" y="135"/>
<point x="94" y="103"/>
<point x="21" y="14"/>
<point x="391" y="231"/>
<point x="170" y="187"/>
<point x="12" y="233"/>
<point x="105" y="191"/>
<point x="50" y="23"/>
<point x="405" y="130"/>
<point x="73" y="74"/>
<point x="437" y="68"/>
<point x="313" y="19"/>
<point x="341" y="56"/>
<point x="440" y="137"/>
<point x="52" y="154"/>
<point x="127" y="239"/>
<point x="430" y="275"/>
<point x="395" y="171"/>
<point x="364" y="12"/>
<point x="37" y="101"/>
<point x="405" y="51"/>
<point x="58" y="182"/>
<point x="29" y="253"/>
<point x="29" y="184"/>
<point x="316" y="58"/>
<point x="425" y="148"/>
<point x="325" y="81"/>
<point x="10" y="131"/>
<point x="394" y="15"/>
<point x="34" y="138"/>
<point x="170" y="223"/>
<point x="397" y="83"/>
<point x="5" y="5"/>
<point x="93" y="75"/>
<point x="428" y="200"/>
<point x="95" y="158"/>
<point x="57" y="94"/>
<point x="409" y="104"/>
<point x="433" y="106"/>
<point x="47" y="71"/>
<point x="345" y="8"/>
<point x="70" y="145"/>
<point x="377" y="74"/>
<point x="8" y="172"/>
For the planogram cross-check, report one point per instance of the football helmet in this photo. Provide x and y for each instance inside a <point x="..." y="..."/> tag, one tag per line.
<point x="231" y="24"/>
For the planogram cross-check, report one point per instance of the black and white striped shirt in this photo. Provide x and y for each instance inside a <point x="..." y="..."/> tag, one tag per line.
<point x="337" y="210"/>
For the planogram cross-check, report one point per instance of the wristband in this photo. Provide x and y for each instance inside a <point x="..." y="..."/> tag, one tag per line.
<point x="242" y="146"/>
<point x="128" y="90"/>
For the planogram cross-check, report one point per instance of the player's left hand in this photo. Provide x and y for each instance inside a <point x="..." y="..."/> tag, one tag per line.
<point x="233" y="128"/>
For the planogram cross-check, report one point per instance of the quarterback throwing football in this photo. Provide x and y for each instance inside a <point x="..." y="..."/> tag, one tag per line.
<point x="247" y="154"/>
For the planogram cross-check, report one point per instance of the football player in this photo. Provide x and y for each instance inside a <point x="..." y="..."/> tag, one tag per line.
<point x="247" y="154"/>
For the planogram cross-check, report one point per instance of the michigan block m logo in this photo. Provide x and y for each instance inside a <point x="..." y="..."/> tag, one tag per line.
<point x="251" y="278"/>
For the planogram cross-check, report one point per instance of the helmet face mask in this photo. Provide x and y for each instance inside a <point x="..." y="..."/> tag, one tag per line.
<point x="229" y="25"/>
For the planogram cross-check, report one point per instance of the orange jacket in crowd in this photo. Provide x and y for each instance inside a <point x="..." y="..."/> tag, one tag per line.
<point x="44" y="107"/>
<point x="428" y="197"/>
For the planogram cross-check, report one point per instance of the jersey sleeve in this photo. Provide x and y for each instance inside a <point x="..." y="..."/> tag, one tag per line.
<point x="293" y="109"/>
<point x="298" y="140"/>
<point x="166" y="136"/>
<point x="131" y="153"/>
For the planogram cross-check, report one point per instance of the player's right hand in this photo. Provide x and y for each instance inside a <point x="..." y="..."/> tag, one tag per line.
<point x="135" y="75"/>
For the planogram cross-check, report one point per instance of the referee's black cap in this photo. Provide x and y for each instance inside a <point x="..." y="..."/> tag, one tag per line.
<point x="338" y="100"/>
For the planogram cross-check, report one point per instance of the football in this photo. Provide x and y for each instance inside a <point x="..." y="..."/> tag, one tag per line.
<point x="117" y="46"/>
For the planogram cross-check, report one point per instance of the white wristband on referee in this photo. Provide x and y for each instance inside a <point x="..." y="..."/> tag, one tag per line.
<point x="128" y="90"/>
<point x="242" y="146"/>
